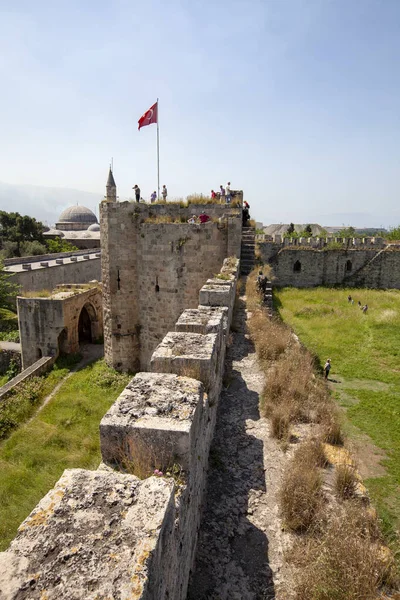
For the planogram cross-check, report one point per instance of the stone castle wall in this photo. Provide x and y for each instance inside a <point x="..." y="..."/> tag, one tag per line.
<point x="152" y="270"/>
<point x="367" y="263"/>
<point x="48" y="326"/>
<point x="46" y="272"/>
<point x="108" y="534"/>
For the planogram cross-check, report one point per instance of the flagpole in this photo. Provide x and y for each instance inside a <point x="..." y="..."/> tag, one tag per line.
<point x="158" y="151"/>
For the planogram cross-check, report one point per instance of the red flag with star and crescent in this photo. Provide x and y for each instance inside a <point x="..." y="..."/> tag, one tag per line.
<point x="149" y="117"/>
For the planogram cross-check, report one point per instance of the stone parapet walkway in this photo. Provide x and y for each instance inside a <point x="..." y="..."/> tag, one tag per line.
<point x="241" y="542"/>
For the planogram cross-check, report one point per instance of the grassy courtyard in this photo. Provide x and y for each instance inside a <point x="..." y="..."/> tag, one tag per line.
<point x="365" y="376"/>
<point x="65" y="434"/>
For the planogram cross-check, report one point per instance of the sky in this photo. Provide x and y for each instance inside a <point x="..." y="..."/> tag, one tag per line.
<point x="297" y="102"/>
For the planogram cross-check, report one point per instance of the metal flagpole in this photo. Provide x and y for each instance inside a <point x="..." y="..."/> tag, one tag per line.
<point x="158" y="152"/>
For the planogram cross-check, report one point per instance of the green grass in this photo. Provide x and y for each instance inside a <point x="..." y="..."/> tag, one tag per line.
<point x="8" y="320"/>
<point x="20" y="405"/>
<point x="65" y="434"/>
<point x="365" y="354"/>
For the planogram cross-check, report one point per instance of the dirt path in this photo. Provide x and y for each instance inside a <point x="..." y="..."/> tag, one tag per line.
<point x="10" y="346"/>
<point x="241" y="543"/>
<point x="90" y="352"/>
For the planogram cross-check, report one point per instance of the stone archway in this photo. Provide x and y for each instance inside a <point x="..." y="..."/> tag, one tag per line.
<point x="84" y="327"/>
<point x="89" y="327"/>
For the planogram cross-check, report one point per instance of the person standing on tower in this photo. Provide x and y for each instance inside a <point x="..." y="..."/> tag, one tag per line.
<point x="228" y="195"/>
<point x="137" y="192"/>
<point x="164" y="192"/>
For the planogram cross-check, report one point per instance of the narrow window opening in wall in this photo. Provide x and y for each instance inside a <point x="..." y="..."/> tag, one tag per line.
<point x="349" y="266"/>
<point x="118" y="281"/>
<point x="157" y="286"/>
<point x="39" y="353"/>
<point x="297" y="267"/>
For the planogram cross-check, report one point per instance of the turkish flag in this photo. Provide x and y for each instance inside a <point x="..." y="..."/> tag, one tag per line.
<point x="149" y="117"/>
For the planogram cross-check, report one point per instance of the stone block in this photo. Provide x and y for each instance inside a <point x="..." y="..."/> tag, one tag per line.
<point x="96" y="534"/>
<point x="59" y="261"/>
<point x="44" y="264"/>
<point x="227" y="280"/>
<point x="27" y="266"/>
<point x="74" y="259"/>
<point x="188" y="354"/>
<point x="154" y="423"/>
<point x="215" y="295"/>
<point x="204" y="319"/>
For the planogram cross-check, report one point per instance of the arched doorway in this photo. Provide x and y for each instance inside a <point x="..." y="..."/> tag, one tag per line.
<point x="297" y="267"/>
<point x="85" y="327"/>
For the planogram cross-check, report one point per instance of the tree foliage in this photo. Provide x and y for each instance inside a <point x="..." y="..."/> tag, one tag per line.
<point x="394" y="234"/>
<point x="290" y="229"/>
<point x="8" y="289"/>
<point x="60" y="245"/>
<point x="19" y="229"/>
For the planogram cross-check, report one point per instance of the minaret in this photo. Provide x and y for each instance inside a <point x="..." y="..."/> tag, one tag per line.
<point x="111" y="188"/>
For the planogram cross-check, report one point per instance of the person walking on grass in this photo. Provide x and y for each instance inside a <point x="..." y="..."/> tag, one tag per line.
<point x="164" y="193"/>
<point x="327" y="368"/>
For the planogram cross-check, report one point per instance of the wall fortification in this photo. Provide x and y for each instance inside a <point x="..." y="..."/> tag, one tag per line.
<point x="308" y="262"/>
<point x="153" y="265"/>
<point x="127" y="530"/>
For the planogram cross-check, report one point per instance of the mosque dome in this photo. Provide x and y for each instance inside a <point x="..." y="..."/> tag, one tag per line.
<point x="94" y="227"/>
<point x="77" y="214"/>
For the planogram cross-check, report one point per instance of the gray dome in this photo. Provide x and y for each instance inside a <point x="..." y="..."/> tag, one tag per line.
<point x="77" y="214"/>
<point x="94" y="227"/>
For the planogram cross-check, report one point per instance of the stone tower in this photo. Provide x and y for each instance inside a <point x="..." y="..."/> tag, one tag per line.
<point x="111" y="188"/>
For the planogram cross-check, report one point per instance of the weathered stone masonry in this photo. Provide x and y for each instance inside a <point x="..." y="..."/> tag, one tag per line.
<point x="104" y="534"/>
<point x="50" y="325"/>
<point x="152" y="271"/>
<point x="311" y="262"/>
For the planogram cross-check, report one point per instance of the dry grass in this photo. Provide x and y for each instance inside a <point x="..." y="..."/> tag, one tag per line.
<point x="346" y="481"/>
<point x="345" y="562"/>
<point x="328" y="415"/>
<point x="291" y="384"/>
<point x="342" y="557"/>
<point x="37" y="294"/>
<point x="300" y="496"/>
<point x="311" y="453"/>
<point x="270" y="337"/>
<point x="141" y="458"/>
<point x="280" y="424"/>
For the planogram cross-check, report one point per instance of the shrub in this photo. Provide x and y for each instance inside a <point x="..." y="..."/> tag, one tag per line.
<point x="311" y="453"/>
<point x="10" y="336"/>
<point x="106" y="377"/>
<point x="344" y="563"/>
<point x="328" y="416"/>
<point x="301" y="499"/>
<point x="280" y="423"/>
<point x="270" y="337"/>
<point x="345" y="481"/>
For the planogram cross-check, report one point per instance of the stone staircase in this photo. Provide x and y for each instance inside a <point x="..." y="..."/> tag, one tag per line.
<point x="247" y="259"/>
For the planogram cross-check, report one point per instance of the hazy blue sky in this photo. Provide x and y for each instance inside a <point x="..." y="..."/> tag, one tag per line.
<point x="295" y="101"/>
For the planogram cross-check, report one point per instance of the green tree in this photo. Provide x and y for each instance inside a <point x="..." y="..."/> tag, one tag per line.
<point x="347" y="232"/>
<point x="8" y="289"/>
<point x="60" y="245"/>
<point x="20" y="228"/>
<point x="290" y="229"/>
<point x="393" y="235"/>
